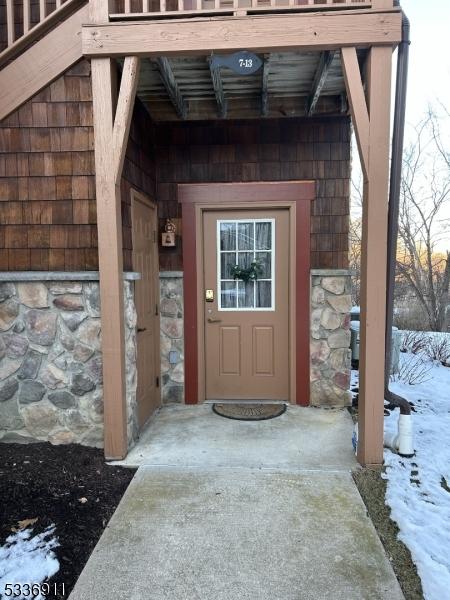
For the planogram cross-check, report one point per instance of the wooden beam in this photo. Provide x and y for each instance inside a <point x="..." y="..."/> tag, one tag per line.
<point x="243" y="108"/>
<point x="109" y="227"/>
<point x="124" y="113"/>
<point x="41" y="64"/>
<point x="263" y="34"/>
<point x="358" y="105"/>
<point x="218" y="90"/>
<point x="265" y="86"/>
<point x="325" y="60"/>
<point x="171" y="85"/>
<point x="374" y="261"/>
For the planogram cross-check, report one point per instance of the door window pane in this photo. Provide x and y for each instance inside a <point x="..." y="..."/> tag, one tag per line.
<point x="241" y="243"/>
<point x="245" y="260"/>
<point x="263" y="294"/>
<point x="228" y="236"/>
<point x="245" y="236"/>
<point x="228" y="294"/>
<point x="227" y="262"/>
<point x="263" y="236"/>
<point x="246" y="294"/>
<point x="264" y="260"/>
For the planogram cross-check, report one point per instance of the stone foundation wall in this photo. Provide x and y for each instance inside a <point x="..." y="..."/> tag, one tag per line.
<point x="172" y="340"/>
<point x="51" y="362"/>
<point x="330" y="338"/>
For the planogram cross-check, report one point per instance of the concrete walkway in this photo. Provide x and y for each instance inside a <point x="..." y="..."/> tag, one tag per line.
<point x="241" y="511"/>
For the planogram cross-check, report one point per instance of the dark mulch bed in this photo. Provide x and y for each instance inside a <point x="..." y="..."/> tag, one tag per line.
<point x="47" y="482"/>
<point x="373" y="490"/>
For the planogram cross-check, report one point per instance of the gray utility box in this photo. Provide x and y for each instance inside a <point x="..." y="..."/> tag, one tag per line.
<point x="354" y="341"/>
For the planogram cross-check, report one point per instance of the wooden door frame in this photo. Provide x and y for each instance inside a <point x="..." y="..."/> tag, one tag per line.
<point x="295" y="196"/>
<point x="136" y="195"/>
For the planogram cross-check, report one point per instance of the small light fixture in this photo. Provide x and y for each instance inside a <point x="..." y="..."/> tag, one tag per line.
<point x="168" y="235"/>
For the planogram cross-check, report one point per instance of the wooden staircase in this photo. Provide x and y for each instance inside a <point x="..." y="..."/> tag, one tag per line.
<point x="39" y="54"/>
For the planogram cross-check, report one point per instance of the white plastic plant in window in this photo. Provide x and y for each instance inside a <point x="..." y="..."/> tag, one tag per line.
<point x="245" y="264"/>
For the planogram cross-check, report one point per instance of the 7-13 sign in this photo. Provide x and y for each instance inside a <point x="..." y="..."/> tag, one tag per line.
<point x="242" y="63"/>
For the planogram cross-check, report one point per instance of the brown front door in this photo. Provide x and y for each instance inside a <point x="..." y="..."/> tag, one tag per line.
<point x="246" y="323"/>
<point x="145" y="261"/>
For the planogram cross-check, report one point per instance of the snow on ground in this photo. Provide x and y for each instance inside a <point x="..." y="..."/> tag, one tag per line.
<point x="27" y="559"/>
<point x="418" y="488"/>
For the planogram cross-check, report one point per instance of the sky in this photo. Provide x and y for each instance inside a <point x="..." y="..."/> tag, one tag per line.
<point x="429" y="66"/>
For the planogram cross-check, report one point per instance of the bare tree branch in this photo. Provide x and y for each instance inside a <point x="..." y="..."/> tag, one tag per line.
<point x="423" y="259"/>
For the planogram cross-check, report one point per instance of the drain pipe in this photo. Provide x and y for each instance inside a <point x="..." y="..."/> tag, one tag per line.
<point x="402" y="442"/>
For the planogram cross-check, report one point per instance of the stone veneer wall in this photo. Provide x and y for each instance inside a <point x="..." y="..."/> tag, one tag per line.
<point x="51" y="361"/>
<point x="172" y="341"/>
<point x="330" y="338"/>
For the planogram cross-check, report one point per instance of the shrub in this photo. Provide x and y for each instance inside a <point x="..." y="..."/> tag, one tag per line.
<point x="414" y="342"/>
<point x="438" y="348"/>
<point x="413" y="370"/>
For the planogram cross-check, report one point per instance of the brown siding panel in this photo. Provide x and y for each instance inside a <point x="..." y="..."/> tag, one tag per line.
<point x="286" y="149"/>
<point x="47" y="156"/>
<point x="47" y="178"/>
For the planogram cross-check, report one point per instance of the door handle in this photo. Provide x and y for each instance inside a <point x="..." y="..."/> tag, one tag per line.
<point x="212" y="320"/>
<point x="140" y="329"/>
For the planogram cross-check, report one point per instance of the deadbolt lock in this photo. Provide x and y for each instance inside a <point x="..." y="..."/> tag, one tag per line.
<point x="209" y="295"/>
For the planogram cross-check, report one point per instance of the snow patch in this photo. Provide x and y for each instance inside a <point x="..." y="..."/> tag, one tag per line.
<point x="416" y="494"/>
<point x="28" y="559"/>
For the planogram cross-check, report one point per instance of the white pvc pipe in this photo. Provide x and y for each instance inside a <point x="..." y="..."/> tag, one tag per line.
<point x="402" y="441"/>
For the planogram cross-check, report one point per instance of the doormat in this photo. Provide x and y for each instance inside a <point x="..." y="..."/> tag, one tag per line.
<point x="249" y="412"/>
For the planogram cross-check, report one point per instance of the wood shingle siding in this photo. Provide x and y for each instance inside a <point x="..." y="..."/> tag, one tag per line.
<point x="268" y="150"/>
<point x="47" y="191"/>
<point x="47" y="185"/>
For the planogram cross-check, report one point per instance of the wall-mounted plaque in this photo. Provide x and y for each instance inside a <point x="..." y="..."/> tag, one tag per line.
<point x="242" y="63"/>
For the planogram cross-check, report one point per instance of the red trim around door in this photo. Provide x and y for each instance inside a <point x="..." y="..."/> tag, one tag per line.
<point x="192" y="195"/>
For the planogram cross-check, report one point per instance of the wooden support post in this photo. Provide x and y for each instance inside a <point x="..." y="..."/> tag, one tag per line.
<point x="374" y="260"/>
<point x="325" y="60"/>
<point x="111" y="136"/>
